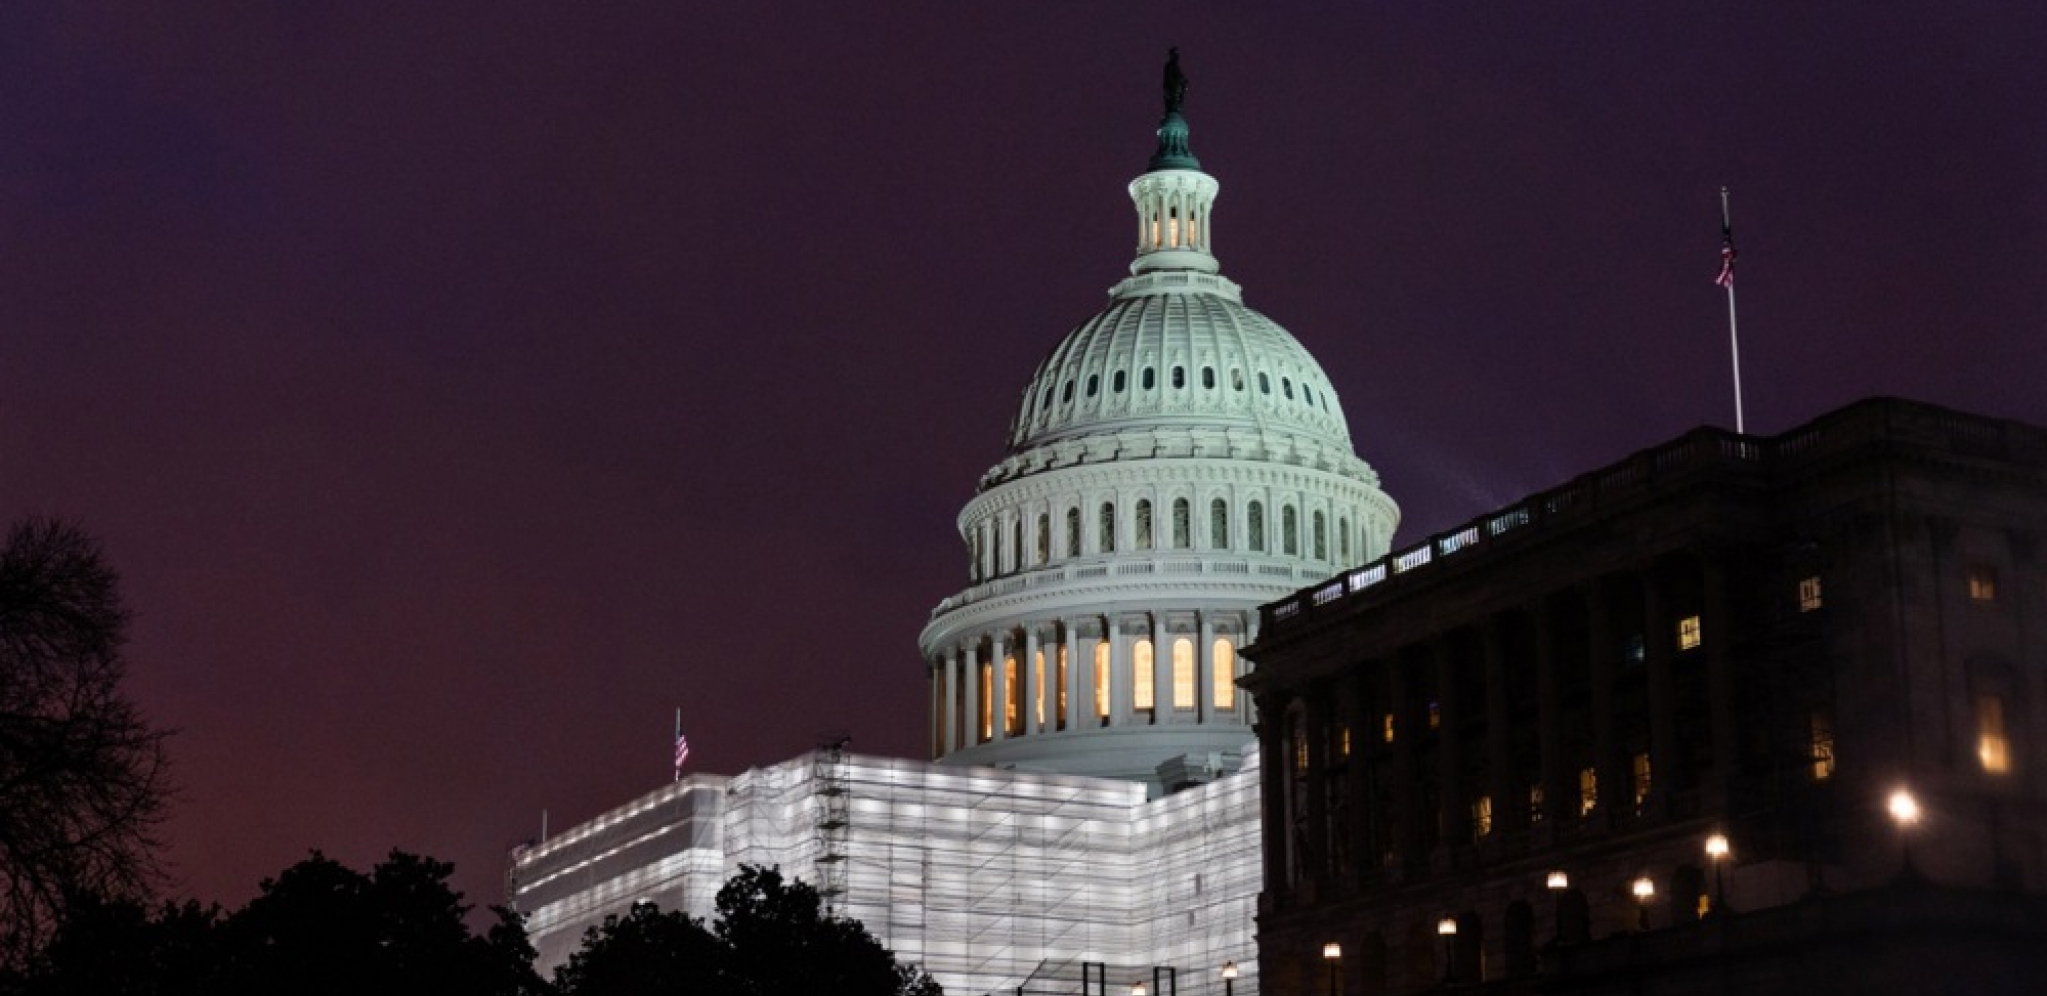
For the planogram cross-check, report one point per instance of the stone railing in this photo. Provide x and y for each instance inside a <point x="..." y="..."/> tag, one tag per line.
<point x="1184" y="564"/>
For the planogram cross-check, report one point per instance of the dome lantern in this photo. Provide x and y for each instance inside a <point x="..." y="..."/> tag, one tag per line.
<point x="1174" y="197"/>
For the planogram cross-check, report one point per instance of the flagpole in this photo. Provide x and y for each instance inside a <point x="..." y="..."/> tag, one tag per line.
<point x="1727" y="280"/>
<point x="678" y="739"/>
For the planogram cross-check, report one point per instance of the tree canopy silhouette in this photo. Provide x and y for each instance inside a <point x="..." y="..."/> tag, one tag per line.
<point x="83" y="777"/>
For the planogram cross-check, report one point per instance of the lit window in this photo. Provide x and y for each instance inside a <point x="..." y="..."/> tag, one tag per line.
<point x="1688" y="633"/>
<point x="1143" y="524"/>
<point x="1065" y="676"/>
<point x="1183" y="674"/>
<point x="1102" y="680"/>
<point x="1808" y="593"/>
<point x="1535" y="803"/>
<point x="1141" y="675"/>
<point x="1993" y="748"/>
<point x="1982" y="583"/>
<point x="1343" y="741"/>
<point x="1012" y="696"/>
<point x="1300" y="750"/>
<point x="1218" y="525"/>
<point x="1386" y="727"/>
<point x="1038" y="687"/>
<point x="1257" y="524"/>
<point x="1588" y="791"/>
<point x="987" y="724"/>
<point x="1183" y="526"/>
<point x="1435" y="715"/>
<point x="1638" y="767"/>
<point x="1705" y="906"/>
<point x="1482" y="815"/>
<point x="1225" y="664"/>
<point x="1821" y="750"/>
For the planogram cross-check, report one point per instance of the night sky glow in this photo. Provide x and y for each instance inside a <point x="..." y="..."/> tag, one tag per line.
<point x="462" y="387"/>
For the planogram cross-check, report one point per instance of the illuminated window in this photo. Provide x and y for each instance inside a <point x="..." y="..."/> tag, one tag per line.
<point x="1102" y="680"/>
<point x="1588" y="791"/>
<point x="1064" y="678"/>
<point x="1141" y="676"/>
<point x="1704" y="906"/>
<point x="1257" y="523"/>
<point x="1688" y="633"/>
<point x="1343" y="740"/>
<point x="1638" y="768"/>
<point x="1808" y="593"/>
<point x="1044" y="543"/>
<point x="1386" y="727"/>
<point x="1183" y="674"/>
<point x="1183" y="526"/>
<point x="1218" y="525"/>
<point x="1073" y="532"/>
<point x="1535" y="803"/>
<point x="1321" y="537"/>
<point x="1993" y="748"/>
<point x="1300" y="750"/>
<point x="1143" y="524"/>
<point x="1038" y="688"/>
<point x="1289" y="531"/>
<point x="1012" y="696"/>
<point x="1107" y="540"/>
<point x="1982" y="583"/>
<point x="1821" y="750"/>
<point x="1225" y="666"/>
<point x="987" y="723"/>
<point x="1435" y="715"/>
<point x="1482" y="815"/>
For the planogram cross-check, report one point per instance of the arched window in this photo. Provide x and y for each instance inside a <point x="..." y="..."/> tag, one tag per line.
<point x="1321" y="537"/>
<point x="1073" y="532"/>
<point x="1343" y="539"/>
<point x="1016" y="545"/>
<point x="1183" y="674"/>
<point x="1179" y="378"/>
<point x="1044" y="543"/>
<point x="1182" y="527"/>
<point x="1144" y="524"/>
<point x="1224" y="664"/>
<point x="1116" y="383"/>
<point x="1236" y="379"/>
<point x="1219" y="525"/>
<point x="1207" y="378"/>
<point x="1264" y="383"/>
<point x="1307" y="394"/>
<point x="1094" y="383"/>
<point x="1102" y="681"/>
<point x="1066" y="393"/>
<point x="1289" y="532"/>
<point x="1256" y="522"/>
<point x="987" y="728"/>
<point x="1286" y="387"/>
<point x="1151" y="379"/>
<point x="1107" y="541"/>
<point x="1141" y="676"/>
<point x="974" y="557"/>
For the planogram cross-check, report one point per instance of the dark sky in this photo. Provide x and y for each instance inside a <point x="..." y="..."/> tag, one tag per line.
<point x="462" y="387"/>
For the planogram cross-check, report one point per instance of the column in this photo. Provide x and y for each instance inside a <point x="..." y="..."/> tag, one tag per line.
<point x="972" y="717"/>
<point x="938" y="670"/>
<point x="1119" y="673"/>
<point x="1161" y="668"/>
<point x="1503" y="781"/>
<point x="1077" y="691"/>
<point x="998" y="687"/>
<point x="1204" y="669"/>
<point x="1028" y="664"/>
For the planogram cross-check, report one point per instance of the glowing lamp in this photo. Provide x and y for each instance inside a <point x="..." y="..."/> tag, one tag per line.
<point x="1558" y="881"/>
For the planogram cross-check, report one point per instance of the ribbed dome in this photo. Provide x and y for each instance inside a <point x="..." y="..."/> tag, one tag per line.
<point x="1177" y="349"/>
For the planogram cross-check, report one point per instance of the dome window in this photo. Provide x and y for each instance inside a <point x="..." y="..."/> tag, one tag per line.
<point x="1308" y="395"/>
<point x="1151" y="379"/>
<point x="1256" y="522"/>
<point x="1116" y="384"/>
<point x="1343" y="539"/>
<point x="1044" y="543"/>
<point x="1218" y="525"/>
<point x="1321" y="537"/>
<point x="1179" y="378"/>
<point x="1182" y="524"/>
<point x="1264" y="383"/>
<point x="1236" y="380"/>
<point x="1094" y="384"/>
<point x="1208" y="378"/>
<point x="1143" y="524"/>
<point x="1289" y="532"/>
<point x="1108" y="538"/>
<point x="1286" y="387"/>
<point x="1066" y="396"/>
<point x="1045" y="400"/>
<point x="1073" y="532"/>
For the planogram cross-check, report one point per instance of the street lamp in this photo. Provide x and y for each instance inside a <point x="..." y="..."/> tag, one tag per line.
<point x="1557" y="880"/>
<point x="1137" y="989"/>
<point x="1716" y="849"/>
<point x="1446" y="928"/>
<point x="1905" y="813"/>
<point x="1645" y="891"/>
<point x="1332" y="953"/>
<point x="1229" y="978"/>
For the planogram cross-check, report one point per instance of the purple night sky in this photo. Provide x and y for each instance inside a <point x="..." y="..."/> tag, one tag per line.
<point x="461" y="390"/>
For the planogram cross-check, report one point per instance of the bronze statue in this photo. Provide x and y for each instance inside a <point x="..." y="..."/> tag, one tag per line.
<point x="1176" y="81"/>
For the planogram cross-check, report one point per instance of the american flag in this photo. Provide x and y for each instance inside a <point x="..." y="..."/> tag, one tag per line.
<point x="681" y="754"/>
<point x="1726" y="277"/>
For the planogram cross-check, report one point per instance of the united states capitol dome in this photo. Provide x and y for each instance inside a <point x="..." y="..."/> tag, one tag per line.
<point x="1176" y="461"/>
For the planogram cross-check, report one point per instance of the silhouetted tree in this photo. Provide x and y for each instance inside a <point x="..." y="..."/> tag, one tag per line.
<point x="119" y="948"/>
<point x="320" y="928"/>
<point x="647" y="951"/>
<point x="82" y="776"/>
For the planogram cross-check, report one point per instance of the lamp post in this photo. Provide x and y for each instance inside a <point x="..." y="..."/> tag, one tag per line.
<point x="1137" y="989"/>
<point x="1229" y="978"/>
<point x="1645" y="892"/>
<point x="1332" y="953"/>
<point x="1905" y="813"/>
<point x="1446" y="928"/>
<point x="1716" y="851"/>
